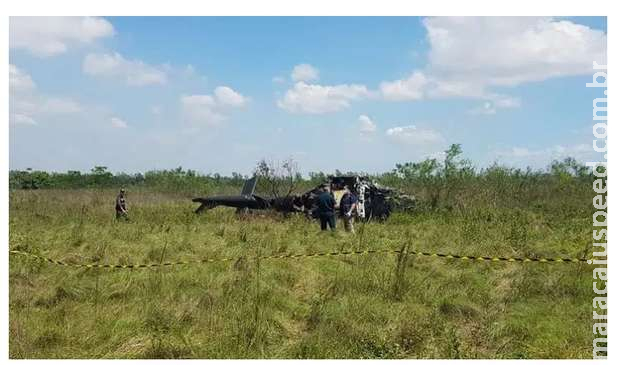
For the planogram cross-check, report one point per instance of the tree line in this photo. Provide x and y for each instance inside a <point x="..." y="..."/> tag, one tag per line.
<point x="441" y="183"/>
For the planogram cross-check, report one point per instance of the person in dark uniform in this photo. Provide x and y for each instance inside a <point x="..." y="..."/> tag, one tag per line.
<point x="326" y="206"/>
<point x="121" y="205"/>
<point x="348" y="205"/>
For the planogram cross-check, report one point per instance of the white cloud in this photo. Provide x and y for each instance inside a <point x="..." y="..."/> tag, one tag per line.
<point x="229" y="97"/>
<point x="19" y="80"/>
<point x="200" y="108"/>
<point x="208" y="109"/>
<point x="118" y="123"/>
<point x="422" y="85"/>
<point x="22" y="119"/>
<point x="26" y="104"/>
<point x="366" y="125"/>
<point x="508" y="51"/>
<point x="28" y="108"/>
<point x="133" y="72"/>
<point x="318" y="99"/>
<point x="412" y="88"/>
<point x="439" y="87"/>
<point x="470" y="55"/>
<point x="37" y="106"/>
<point x="49" y="36"/>
<point x="411" y="135"/>
<point x="304" y="72"/>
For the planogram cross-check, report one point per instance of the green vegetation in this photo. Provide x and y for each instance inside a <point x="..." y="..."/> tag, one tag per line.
<point x="371" y="306"/>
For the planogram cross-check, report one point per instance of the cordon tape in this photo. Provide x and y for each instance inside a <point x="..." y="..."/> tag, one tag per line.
<point x="298" y="256"/>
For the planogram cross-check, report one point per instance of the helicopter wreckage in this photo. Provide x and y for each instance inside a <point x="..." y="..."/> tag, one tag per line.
<point x="376" y="202"/>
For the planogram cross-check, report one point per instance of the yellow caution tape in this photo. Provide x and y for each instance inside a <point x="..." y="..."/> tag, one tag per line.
<point x="295" y="256"/>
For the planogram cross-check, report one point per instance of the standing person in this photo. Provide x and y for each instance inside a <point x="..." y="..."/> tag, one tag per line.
<point x="348" y="205"/>
<point x="326" y="207"/>
<point x="121" y="205"/>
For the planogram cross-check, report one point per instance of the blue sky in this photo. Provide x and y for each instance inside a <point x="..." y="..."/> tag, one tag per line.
<point x="217" y="94"/>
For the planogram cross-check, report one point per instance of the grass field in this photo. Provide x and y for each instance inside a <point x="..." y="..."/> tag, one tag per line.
<point x="371" y="306"/>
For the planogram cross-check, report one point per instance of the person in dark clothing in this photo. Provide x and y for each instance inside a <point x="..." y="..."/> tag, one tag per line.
<point x="348" y="205"/>
<point x="121" y="205"/>
<point x="326" y="206"/>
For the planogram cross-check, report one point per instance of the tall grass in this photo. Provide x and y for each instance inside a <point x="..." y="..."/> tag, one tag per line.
<point x="372" y="306"/>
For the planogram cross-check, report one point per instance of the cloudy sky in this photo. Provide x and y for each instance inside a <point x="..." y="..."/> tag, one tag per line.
<point x="355" y="94"/>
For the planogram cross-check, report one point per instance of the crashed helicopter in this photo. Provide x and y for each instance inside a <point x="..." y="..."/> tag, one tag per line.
<point x="375" y="202"/>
